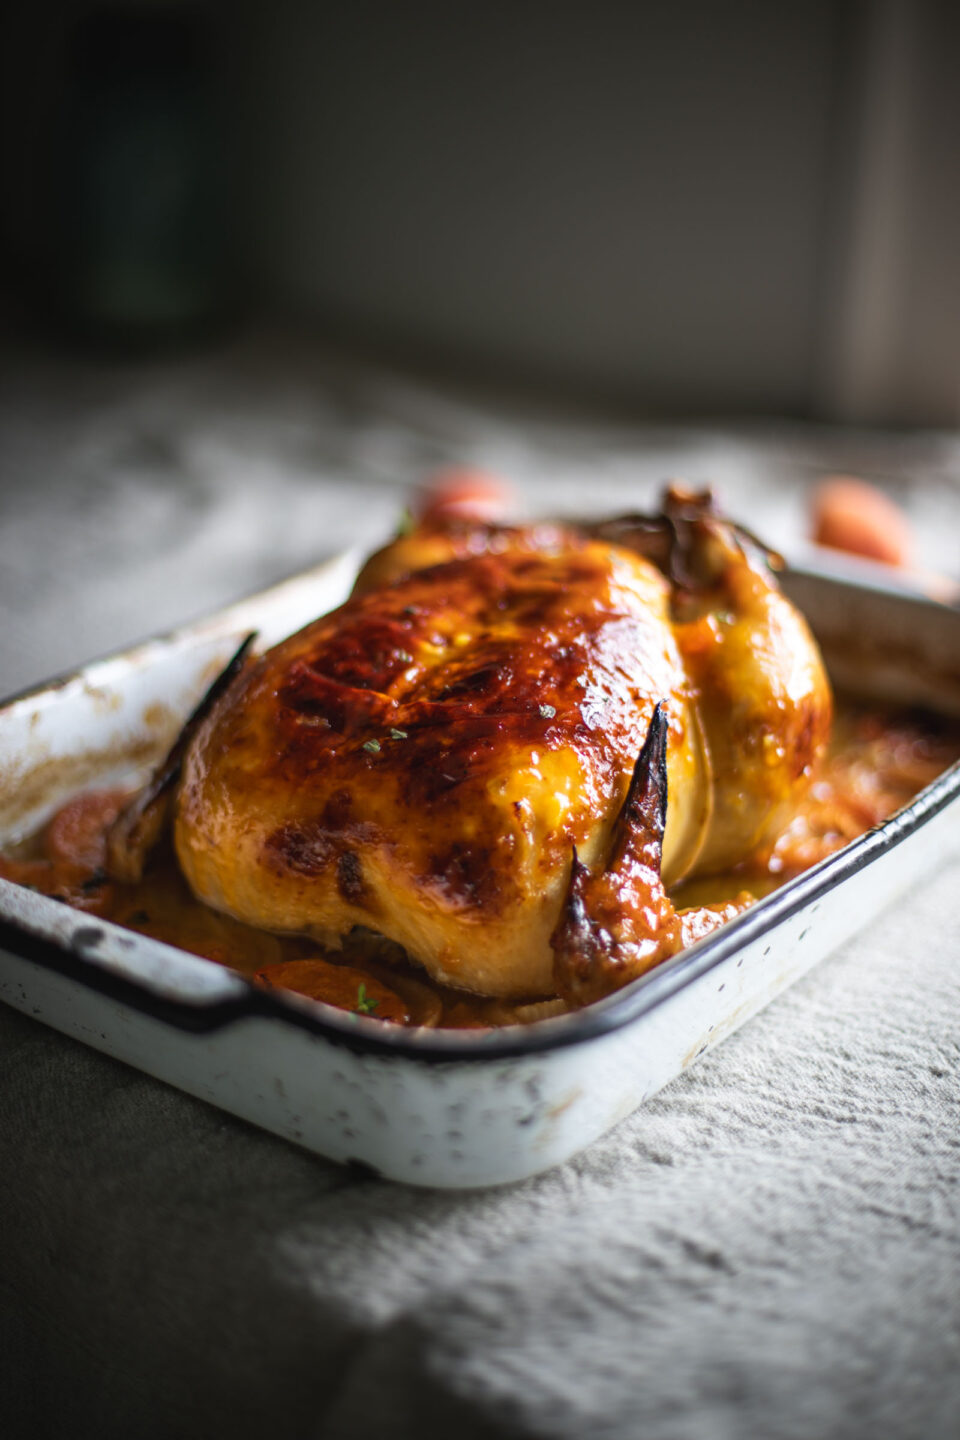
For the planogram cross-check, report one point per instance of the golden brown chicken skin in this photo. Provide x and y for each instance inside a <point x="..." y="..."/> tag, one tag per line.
<point x="422" y="761"/>
<point x="500" y="751"/>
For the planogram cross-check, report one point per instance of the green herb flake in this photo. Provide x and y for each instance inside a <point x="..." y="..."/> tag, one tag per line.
<point x="365" y="1003"/>
<point x="548" y="711"/>
<point x="404" y="657"/>
<point x="372" y="745"/>
<point x="409" y="610"/>
<point x="406" y="523"/>
<point x="396" y="734"/>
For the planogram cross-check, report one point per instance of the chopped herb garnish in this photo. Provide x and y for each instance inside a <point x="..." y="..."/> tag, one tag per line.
<point x="396" y="734"/>
<point x="406" y="523"/>
<point x="404" y="657"/>
<point x="548" y="711"/>
<point x="372" y="745"/>
<point x="409" y="610"/>
<point x="365" y="1003"/>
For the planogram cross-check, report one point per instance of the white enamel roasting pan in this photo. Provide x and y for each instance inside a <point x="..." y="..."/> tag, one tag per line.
<point x="454" y="1108"/>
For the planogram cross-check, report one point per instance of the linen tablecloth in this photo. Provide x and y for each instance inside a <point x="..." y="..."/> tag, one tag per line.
<point x="771" y="1247"/>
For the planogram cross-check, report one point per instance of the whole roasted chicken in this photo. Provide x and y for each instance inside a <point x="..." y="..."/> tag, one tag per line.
<point x="506" y="746"/>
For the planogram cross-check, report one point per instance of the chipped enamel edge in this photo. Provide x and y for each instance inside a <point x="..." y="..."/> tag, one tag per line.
<point x="432" y="1108"/>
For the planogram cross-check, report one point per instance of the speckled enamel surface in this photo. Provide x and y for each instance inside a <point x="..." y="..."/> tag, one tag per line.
<point x="458" y="1111"/>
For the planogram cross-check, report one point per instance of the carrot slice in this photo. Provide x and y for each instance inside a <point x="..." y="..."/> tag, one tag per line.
<point x="77" y="833"/>
<point x="339" y="985"/>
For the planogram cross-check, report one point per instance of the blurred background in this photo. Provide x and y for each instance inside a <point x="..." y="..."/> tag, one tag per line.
<point x="734" y="206"/>
<point x="265" y="267"/>
<point x="316" y="248"/>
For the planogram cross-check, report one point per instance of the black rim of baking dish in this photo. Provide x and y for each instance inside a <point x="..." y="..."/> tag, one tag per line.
<point x="78" y="961"/>
<point x="77" y="957"/>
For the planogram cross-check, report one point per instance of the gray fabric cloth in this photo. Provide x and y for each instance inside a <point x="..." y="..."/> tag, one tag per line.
<point x="771" y="1247"/>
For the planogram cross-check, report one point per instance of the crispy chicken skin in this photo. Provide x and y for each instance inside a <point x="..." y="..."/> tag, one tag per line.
<point x="473" y="755"/>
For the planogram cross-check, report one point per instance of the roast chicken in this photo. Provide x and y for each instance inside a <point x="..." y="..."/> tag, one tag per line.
<point x="505" y="748"/>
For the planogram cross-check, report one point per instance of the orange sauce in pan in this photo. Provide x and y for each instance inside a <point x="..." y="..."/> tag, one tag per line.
<point x="879" y="759"/>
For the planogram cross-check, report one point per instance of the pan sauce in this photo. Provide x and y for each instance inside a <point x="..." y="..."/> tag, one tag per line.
<point x="879" y="759"/>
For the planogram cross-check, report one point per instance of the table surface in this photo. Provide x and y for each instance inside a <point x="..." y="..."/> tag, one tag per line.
<point x="770" y="1247"/>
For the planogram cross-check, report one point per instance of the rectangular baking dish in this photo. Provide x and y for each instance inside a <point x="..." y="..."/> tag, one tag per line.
<point x="454" y="1109"/>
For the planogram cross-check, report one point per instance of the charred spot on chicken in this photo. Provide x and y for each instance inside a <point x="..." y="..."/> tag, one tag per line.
<point x="473" y="755"/>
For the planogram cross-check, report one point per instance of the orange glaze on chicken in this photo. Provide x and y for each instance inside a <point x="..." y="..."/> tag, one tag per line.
<point x="447" y="758"/>
<point x="422" y="761"/>
<point x="878" y="761"/>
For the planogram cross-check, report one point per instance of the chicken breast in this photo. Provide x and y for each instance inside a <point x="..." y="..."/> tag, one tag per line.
<point x="422" y="761"/>
<point x="441" y="758"/>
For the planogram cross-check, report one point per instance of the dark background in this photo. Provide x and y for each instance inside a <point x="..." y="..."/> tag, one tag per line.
<point x="740" y="207"/>
<point x="214" y="220"/>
